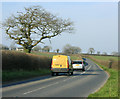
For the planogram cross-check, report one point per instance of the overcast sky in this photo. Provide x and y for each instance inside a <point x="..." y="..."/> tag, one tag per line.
<point x="96" y="23"/>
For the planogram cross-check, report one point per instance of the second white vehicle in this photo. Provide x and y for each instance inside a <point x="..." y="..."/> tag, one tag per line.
<point x="78" y="65"/>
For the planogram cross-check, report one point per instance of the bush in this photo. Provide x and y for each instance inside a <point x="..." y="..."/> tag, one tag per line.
<point x="12" y="60"/>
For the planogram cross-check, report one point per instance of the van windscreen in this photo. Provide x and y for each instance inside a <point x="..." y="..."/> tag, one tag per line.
<point x="77" y="62"/>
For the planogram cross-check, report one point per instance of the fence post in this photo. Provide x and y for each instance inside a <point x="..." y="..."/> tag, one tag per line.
<point x="110" y="63"/>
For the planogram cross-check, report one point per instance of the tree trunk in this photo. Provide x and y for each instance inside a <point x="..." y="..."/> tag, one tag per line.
<point x="91" y="52"/>
<point x="27" y="50"/>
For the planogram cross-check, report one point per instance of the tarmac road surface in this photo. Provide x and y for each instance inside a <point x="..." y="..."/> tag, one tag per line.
<point x="80" y="84"/>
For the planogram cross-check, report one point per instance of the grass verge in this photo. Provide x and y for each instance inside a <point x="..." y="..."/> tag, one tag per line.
<point x="110" y="89"/>
<point x="16" y="75"/>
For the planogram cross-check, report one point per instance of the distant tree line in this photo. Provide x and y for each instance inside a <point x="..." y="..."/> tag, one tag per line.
<point x="68" y="49"/>
<point x="3" y="47"/>
<point x="44" y="49"/>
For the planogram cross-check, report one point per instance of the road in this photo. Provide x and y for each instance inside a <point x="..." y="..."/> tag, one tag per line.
<point x="80" y="84"/>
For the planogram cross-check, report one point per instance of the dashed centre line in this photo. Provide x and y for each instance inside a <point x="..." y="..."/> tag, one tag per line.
<point x="52" y="84"/>
<point x="40" y="88"/>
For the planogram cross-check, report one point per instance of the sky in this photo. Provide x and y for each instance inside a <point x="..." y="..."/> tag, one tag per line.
<point x="95" y="23"/>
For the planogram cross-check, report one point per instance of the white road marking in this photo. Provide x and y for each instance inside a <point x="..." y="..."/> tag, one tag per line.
<point x="85" y="71"/>
<point x="65" y="80"/>
<point x="51" y="84"/>
<point x="40" y="88"/>
<point x="29" y="83"/>
<point x="99" y="67"/>
<point x="89" y="67"/>
<point x="82" y="72"/>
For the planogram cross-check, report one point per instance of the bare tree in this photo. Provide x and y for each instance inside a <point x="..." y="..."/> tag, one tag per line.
<point x="57" y="50"/>
<point x="115" y="53"/>
<point x="46" y="48"/>
<point x="71" y="49"/>
<point x="37" y="48"/>
<point x="98" y="52"/>
<point x="91" y="50"/>
<point x="77" y="50"/>
<point x="66" y="49"/>
<point x="32" y="26"/>
<point x="104" y="53"/>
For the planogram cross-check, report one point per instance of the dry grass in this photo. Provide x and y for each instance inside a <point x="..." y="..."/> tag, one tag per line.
<point x="22" y="61"/>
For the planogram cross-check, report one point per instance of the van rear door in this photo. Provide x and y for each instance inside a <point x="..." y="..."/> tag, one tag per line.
<point x="59" y="62"/>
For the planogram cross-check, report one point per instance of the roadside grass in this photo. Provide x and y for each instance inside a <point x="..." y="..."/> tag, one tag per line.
<point x="17" y="75"/>
<point x="110" y="89"/>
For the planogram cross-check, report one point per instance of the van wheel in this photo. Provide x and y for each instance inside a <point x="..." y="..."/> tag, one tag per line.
<point x="83" y="69"/>
<point x="68" y="73"/>
<point x="71" y="73"/>
<point x="56" y="74"/>
<point x="52" y="74"/>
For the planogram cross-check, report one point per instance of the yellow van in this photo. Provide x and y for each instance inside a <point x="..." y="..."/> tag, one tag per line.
<point x="61" y="64"/>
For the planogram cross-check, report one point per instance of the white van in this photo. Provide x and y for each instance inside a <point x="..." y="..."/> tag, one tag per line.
<point x="78" y="65"/>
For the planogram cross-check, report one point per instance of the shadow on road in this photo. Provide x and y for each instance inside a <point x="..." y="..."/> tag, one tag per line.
<point x="89" y="74"/>
<point x="25" y="81"/>
<point x="93" y="70"/>
<point x="84" y="74"/>
<point x="76" y="74"/>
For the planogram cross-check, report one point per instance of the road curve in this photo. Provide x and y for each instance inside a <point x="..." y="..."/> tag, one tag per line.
<point x="81" y="84"/>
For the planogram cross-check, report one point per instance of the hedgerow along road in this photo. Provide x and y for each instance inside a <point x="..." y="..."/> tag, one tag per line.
<point x="80" y="84"/>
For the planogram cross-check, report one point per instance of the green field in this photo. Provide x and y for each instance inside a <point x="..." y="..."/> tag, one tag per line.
<point x="44" y="54"/>
<point x="105" y="61"/>
<point x="106" y="58"/>
<point x="74" y="57"/>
